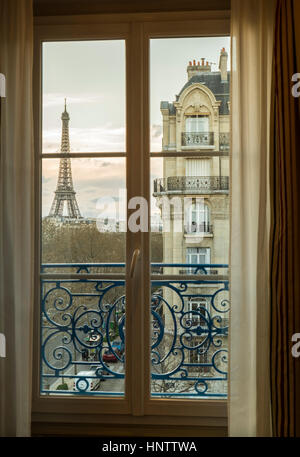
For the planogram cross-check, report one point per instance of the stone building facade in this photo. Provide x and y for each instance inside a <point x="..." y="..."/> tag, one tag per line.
<point x="193" y="193"/>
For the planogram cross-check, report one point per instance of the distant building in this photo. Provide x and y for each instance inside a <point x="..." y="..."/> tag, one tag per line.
<point x="197" y="121"/>
<point x="110" y="225"/>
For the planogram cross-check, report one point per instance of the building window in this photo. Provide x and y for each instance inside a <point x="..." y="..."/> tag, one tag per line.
<point x="197" y="124"/>
<point x="198" y="218"/>
<point x="197" y="256"/>
<point x="198" y="167"/>
<point x="199" y="355"/>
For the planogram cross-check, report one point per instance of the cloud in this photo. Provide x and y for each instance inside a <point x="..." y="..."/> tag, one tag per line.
<point x="52" y="99"/>
<point x="93" y="178"/>
<point x="156" y="131"/>
<point x="102" y="139"/>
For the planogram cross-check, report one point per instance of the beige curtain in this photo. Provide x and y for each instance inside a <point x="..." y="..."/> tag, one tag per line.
<point x="16" y="211"/>
<point x="252" y="30"/>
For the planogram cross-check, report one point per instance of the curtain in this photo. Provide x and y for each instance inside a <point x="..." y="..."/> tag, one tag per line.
<point x="16" y="217"/>
<point x="252" y="32"/>
<point x="285" y="222"/>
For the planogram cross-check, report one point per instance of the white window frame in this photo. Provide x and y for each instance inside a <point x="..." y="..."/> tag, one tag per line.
<point x="199" y="252"/>
<point x="201" y="211"/>
<point x="138" y="407"/>
<point x="193" y="127"/>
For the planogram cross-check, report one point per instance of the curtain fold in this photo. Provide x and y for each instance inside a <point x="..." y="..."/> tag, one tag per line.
<point x="252" y="32"/>
<point x="285" y="222"/>
<point x="16" y="216"/>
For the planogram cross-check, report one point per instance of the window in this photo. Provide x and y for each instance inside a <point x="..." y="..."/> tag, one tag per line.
<point x="198" y="256"/>
<point x="105" y="289"/>
<point x="198" y="220"/>
<point x="198" y="167"/>
<point x="198" y="309"/>
<point x="197" y="124"/>
<point x="199" y="356"/>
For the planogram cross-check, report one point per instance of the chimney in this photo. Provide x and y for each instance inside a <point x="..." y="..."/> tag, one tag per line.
<point x="195" y="68"/>
<point x="223" y="64"/>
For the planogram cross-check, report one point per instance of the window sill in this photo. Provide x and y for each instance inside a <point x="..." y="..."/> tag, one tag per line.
<point x="44" y="424"/>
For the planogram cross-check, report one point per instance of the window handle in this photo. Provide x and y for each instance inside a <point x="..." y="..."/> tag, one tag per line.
<point x="134" y="259"/>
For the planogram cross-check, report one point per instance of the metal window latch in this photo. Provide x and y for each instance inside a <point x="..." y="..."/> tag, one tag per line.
<point x="135" y="256"/>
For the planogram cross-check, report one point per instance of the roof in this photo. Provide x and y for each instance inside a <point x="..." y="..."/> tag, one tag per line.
<point x="169" y="106"/>
<point x="212" y="80"/>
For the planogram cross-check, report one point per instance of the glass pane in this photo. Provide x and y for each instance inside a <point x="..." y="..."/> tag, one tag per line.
<point x="90" y="75"/>
<point x="175" y="65"/>
<point x="87" y="221"/>
<point x="190" y="199"/>
<point x="83" y="233"/>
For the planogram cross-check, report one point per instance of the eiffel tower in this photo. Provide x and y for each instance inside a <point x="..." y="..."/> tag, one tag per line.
<point x="65" y="193"/>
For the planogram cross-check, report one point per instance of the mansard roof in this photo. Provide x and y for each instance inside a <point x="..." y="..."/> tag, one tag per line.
<point x="212" y="80"/>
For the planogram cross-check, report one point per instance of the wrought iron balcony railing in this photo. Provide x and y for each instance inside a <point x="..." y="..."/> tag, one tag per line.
<point x="201" y="139"/>
<point x="205" y="139"/>
<point x="194" y="228"/>
<point x="190" y="184"/>
<point x="83" y="327"/>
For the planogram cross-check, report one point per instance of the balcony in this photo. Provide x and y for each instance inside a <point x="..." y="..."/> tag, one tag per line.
<point x="204" y="140"/>
<point x="194" y="228"/>
<point x="191" y="184"/>
<point x="197" y="139"/>
<point x="83" y="327"/>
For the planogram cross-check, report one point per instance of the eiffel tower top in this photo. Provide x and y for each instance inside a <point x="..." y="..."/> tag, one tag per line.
<point x="65" y="140"/>
<point x="65" y="115"/>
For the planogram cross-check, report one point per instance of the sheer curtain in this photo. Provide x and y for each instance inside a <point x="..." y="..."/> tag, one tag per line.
<point x="16" y="216"/>
<point x="252" y="31"/>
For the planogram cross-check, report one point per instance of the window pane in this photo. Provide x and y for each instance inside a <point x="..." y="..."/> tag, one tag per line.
<point x="91" y="76"/>
<point x="174" y="67"/>
<point x="96" y="232"/>
<point x="83" y="320"/>
<point x="190" y="199"/>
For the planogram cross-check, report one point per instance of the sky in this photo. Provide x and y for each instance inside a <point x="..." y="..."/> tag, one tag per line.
<point x="91" y="76"/>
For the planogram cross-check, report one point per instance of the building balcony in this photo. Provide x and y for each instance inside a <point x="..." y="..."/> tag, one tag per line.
<point x="191" y="184"/>
<point x="205" y="140"/>
<point x="194" y="228"/>
<point x="197" y="139"/>
<point x="83" y="329"/>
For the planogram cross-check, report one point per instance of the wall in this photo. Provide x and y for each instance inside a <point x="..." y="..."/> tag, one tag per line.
<point x="64" y="7"/>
